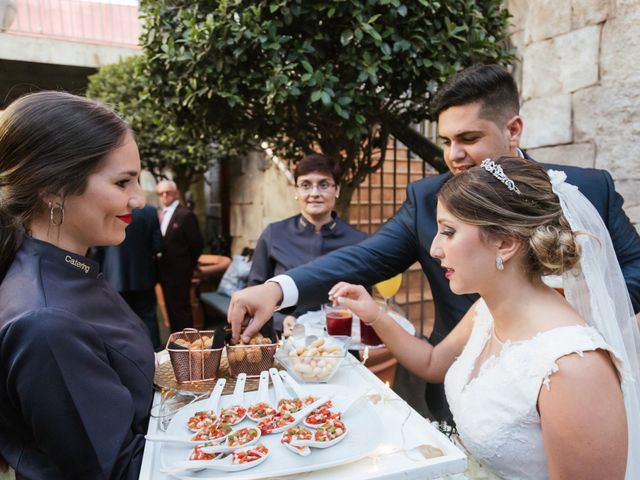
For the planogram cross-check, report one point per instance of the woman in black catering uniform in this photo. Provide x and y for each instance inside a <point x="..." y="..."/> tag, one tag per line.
<point x="76" y="364"/>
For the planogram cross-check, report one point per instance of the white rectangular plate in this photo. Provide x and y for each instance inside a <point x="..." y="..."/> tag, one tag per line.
<point x="362" y="439"/>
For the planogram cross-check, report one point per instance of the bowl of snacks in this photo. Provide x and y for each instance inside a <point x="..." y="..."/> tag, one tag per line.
<point x="309" y="360"/>
<point x="253" y="357"/>
<point x="194" y="355"/>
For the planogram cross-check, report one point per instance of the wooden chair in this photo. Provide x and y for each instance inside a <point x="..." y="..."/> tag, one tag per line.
<point x="212" y="267"/>
<point x="162" y="305"/>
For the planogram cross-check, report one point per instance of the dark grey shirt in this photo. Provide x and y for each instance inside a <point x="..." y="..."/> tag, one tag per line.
<point x="293" y="242"/>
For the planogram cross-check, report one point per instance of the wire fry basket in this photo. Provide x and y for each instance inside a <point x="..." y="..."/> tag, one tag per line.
<point x="192" y="365"/>
<point x="250" y="359"/>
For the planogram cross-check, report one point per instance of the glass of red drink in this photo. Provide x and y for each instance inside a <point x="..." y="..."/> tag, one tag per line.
<point x="368" y="335"/>
<point x="339" y="320"/>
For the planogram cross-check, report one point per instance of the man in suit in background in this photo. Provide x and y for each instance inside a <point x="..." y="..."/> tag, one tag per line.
<point x="182" y="246"/>
<point x="131" y="267"/>
<point x="478" y="118"/>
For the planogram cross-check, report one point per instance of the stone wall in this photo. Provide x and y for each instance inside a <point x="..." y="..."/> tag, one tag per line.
<point x="260" y="194"/>
<point x="580" y="85"/>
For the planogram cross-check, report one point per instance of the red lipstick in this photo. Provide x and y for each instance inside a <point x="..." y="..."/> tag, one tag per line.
<point x="125" y="218"/>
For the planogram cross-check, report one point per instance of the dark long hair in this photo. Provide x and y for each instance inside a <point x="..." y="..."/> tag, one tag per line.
<point x="49" y="144"/>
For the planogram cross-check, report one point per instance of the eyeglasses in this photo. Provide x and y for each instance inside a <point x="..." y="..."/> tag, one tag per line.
<point x="321" y="186"/>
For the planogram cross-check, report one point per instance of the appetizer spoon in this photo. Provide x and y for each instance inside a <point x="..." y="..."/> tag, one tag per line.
<point x="175" y="440"/>
<point x="295" y="442"/>
<point x="236" y="412"/>
<point x="278" y="387"/>
<point x="212" y="402"/>
<point x="226" y="448"/>
<point x="300" y="415"/>
<point x="263" y="399"/>
<point x="303" y="451"/>
<point x="225" y="463"/>
<point x="297" y="388"/>
<point x="358" y="402"/>
<point x="207" y="415"/>
<point x="222" y="429"/>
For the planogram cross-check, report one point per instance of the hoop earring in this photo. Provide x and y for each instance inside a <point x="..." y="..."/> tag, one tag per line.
<point x="56" y="214"/>
<point x="499" y="263"/>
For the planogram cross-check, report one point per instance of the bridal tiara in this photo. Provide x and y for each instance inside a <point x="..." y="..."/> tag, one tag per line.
<point x="496" y="170"/>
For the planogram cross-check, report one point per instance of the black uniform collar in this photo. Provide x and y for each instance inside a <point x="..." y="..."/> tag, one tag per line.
<point x="304" y="224"/>
<point x="68" y="261"/>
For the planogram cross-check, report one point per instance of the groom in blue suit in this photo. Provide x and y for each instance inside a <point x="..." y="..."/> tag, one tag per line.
<point x="478" y="118"/>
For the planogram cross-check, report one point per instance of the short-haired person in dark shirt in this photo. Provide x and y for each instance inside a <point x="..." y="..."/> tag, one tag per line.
<point x="314" y="232"/>
<point x="478" y="118"/>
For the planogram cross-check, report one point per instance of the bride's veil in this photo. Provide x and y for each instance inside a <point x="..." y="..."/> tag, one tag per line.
<point x="598" y="292"/>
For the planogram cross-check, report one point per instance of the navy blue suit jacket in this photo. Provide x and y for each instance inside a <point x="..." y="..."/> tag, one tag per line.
<point x="407" y="237"/>
<point x="131" y="266"/>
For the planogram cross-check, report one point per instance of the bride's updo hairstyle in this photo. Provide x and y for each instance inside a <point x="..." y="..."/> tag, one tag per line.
<point x="50" y="142"/>
<point x="534" y="216"/>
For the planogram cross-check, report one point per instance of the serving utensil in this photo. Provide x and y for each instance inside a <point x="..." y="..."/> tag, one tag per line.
<point x="295" y="442"/>
<point x="174" y="439"/>
<point x="283" y="400"/>
<point x="209" y="409"/>
<point x="299" y="415"/>
<point x="303" y="451"/>
<point x="226" y="448"/>
<point x="263" y="398"/>
<point x="224" y="464"/>
<point x="237" y="408"/>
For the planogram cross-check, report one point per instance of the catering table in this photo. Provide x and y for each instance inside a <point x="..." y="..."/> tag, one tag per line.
<point x="399" y="455"/>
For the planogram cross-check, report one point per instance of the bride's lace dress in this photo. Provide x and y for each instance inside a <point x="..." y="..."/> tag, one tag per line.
<point x="494" y="401"/>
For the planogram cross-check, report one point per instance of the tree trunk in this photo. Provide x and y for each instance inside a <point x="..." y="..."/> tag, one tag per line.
<point x="344" y="201"/>
<point x="419" y="144"/>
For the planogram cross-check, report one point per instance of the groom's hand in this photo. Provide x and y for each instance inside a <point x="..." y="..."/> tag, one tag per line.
<point x="254" y="304"/>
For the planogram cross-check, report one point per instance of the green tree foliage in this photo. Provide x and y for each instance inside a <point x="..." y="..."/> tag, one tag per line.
<point x="335" y="76"/>
<point x="164" y="145"/>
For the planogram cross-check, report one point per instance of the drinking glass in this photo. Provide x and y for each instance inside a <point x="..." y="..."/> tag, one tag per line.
<point x="368" y="335"/>
<point x="170" y="402"/>
<point x="338" y="319"/>
<point x="387" y="290"/>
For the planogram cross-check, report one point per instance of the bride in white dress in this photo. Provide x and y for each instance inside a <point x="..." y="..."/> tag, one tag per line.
<point x="540" y="385"/>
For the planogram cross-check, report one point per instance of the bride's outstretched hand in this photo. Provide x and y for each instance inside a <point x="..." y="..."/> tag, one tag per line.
<point x="355" y="298"/>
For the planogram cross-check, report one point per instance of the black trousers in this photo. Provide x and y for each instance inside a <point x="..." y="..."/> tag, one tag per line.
<point x="178" y="303"/>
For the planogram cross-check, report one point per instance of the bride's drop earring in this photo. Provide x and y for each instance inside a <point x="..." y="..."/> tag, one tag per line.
<point x="499" y="263"/>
